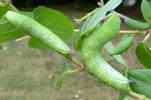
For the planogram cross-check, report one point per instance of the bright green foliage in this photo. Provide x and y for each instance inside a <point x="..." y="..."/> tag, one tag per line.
<point x="144" y="54"/>
<point x="3" y="10"/>
<point x="109" y="46"/>
<point x="34" y="43"/>
<point x="8" y="31"/>
<point x="66" y="70"/>
<point x="136" y="24"/>
<point x="62" y="72"/>
<point x="146" y="10"/>
<point x="2" y="4"/>
<point x="6" y="26"/>
<point x="142" y="77"/>
<point x="29" y="14"/>
<point x="123" y="96"/>
<point x="95" y="19"/>
<point x="124" y="45"/>
<point x="55" y="21"/>
<point x="12" y="35"/>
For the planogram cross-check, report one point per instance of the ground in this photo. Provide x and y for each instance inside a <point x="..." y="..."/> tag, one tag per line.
<point x="30" y="74"/>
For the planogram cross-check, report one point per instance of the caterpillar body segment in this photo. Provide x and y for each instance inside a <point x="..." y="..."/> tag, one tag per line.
<point x="38" y="31"/>
<point x="94" y="61"/>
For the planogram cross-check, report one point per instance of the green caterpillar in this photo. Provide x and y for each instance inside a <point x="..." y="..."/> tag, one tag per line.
<point x="95" y="63"/>
<point x="93" y="20"/>
<point x="38" y="31"/>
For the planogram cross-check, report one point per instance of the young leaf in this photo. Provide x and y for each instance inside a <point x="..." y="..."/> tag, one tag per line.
<point x="99" y="15"/>
<point x="2" y="4"/>
<point x="136" y="24"/>
<point x="142" y="77"/>
<point x="143" y="54"/>
<point x="6" y="26"/>
<point x="123" y="45"/>
<point x="12" y="35"/>
<point x="109" y="46"/>
<point x="59" y="82"/>
<point x="123" y="96"/>
<point x="34" y="43"/>
<point x="146" y="10"/>
<point x="66" y="70"/>
<point x="55" y="21"/>
<point x="3" y="10"/>
<point x="8" y="31"/>
<point x="96" y="18"/>
<point x="29" y="14"/>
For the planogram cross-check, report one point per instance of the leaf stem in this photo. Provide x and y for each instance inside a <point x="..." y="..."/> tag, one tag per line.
<point x="13" y="7"/>
<point x="22" y="38"/>
<point x="124" y="31"/>
<point x="138" y="96"/>
<point x="9" y="3"/>
<point x="131" y="31"/>
<point x="147" y="37"/>
<point x="85" y="16"/>
<point x="77" y="63"/>
<point x="102" y="2"/>
<point x="123" y="17"/>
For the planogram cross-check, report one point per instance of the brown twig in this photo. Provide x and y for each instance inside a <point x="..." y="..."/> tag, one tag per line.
<point x="74" y="61"/>
<point x="9" y="3"/>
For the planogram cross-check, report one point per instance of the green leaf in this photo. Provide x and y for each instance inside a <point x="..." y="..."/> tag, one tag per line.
<point x="146" y="10"/>
<point x="99" y="15"/>
<point x="143" y="54"/>
<point x="95" y="19"/>
<point x="109" y="46"/>
<point x="55" y="21"/>
<point x="123" y="45"/>
<point x="2" y="4"/>
<point x="66" y="70"/>
<point x="142" y="77"/>
<point x="34" y="43"/>
<point x="123" y="96"/>
<point x="8" y="31"/>
<point x="136" y="24"/>
<point x="6" y="26"/>
<point x="62" y="72"/>
<point x="3" y="10"/>
<point x="29" y="14"/>
<point x="12" y="35"/>
<point x="3" y="19"/>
